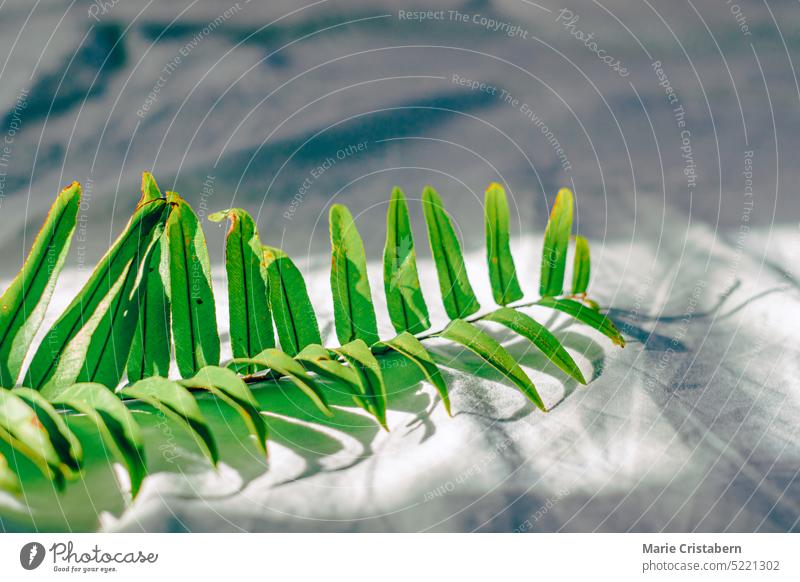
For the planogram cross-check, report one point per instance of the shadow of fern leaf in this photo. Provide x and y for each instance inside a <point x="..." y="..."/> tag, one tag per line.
<point x="299" y="426"/>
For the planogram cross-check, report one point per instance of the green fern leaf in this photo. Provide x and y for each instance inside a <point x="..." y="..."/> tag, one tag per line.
<point x="92" y="302"/>
<point x="502" y="273"/>
<point x="317" y="359"/>
<point x="361" y="359"/>
<point x="159" y="266"/>
<point x="539" y="336"/>
<point x="23" y="304"/>
<point x="295" y="321"/>
<point x="283" y="365"/>
<point x="582" y="266"/>
<point x="152" y="345"/>
<point x="404" y="299"/>
<point x="231" y="389"/>
<point x="586" y="315"/>
<point x="412" y="349"/>
<point x="149" y="188"/>
<point x="176" y="403"/>
<point x="354" y="313"/>
<point x="248" y="295"/>
<point x="457" y="294"/>
<point x="99" y="351"/>
<point x="101" y="354"/>
<point x="494" y="354"/>
<point x="9" y="481"/>
<point x="21" y="429"/>
<point x="556" y="243"/>
<point x="65" y="443"/>
<point x="114" y="422"/>
<point x="194" y="316"/>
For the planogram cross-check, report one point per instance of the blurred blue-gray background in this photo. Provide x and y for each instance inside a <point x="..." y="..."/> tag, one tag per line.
<point x="649" y="110"/>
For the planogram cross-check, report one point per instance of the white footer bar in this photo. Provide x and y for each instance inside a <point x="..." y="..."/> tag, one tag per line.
<point x="407" y="557"/>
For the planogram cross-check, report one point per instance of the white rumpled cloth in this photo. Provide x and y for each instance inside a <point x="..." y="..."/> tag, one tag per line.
<point x="692" y="427"/>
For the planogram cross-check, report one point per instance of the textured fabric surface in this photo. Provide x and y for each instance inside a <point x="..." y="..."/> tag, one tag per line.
<point x="691" y="427"/>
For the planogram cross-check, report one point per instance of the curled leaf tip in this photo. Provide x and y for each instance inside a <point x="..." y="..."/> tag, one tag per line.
<point x="149" y="189"/>
<point x="75" y="186"/>
<point x="174" y="198"/>
<point x="221" y="215"/>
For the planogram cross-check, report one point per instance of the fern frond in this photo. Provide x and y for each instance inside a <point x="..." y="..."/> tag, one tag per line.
<point x="153" y="289"/>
